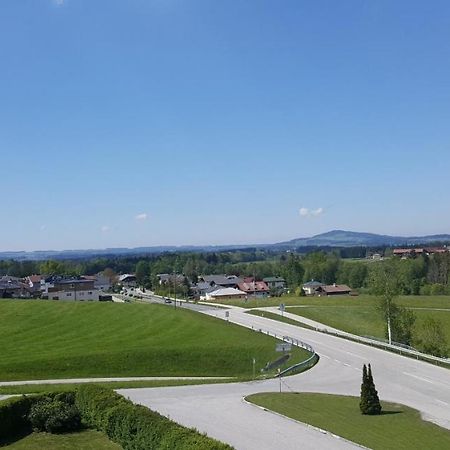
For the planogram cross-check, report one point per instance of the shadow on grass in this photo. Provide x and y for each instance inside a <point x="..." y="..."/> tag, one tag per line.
<point x="12" y="439"/>
<point x="388" y="413"/>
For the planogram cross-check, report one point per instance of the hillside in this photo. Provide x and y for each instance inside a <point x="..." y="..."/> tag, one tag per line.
<point x="341" y="238"/>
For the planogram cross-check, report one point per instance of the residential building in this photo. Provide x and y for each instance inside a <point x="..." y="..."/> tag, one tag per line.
<point x="221" y="280"/>
<point x="311" y="287"/>
<point x="254" y="288"/>
<point x="73" y="289"/>
<point x="128" y="280"/>
<point x="223" y="294"/>
<point x="35" y="283"/>
<point x="12" y="287"/>
<point x="333" y="289"/>
<point x="275" y="282"/>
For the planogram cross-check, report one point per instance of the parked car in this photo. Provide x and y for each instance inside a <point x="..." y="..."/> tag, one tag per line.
<point x="167" y="300"/>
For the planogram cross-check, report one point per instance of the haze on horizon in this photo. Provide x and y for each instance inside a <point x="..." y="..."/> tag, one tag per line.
<point x="141" y="123"/>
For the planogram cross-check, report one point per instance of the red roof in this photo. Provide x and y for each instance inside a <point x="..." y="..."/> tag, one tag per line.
<point x="259" y="286"/>
<point x="35" y="278"/>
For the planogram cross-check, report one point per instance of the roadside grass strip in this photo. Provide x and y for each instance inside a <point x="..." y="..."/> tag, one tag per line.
<point x="398" y="427"/>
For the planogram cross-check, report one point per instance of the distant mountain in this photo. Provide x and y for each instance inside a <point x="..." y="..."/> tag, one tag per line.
<point x="336" y="238"/>
<point x="341" y="238"/>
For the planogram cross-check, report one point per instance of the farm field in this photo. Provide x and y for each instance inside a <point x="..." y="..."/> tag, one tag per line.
<point x="50" y="340"/>
<point x="399" y="427"/>
<point x="84" y="440"/>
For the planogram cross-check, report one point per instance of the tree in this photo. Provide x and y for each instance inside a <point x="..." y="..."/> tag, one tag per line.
<point x="432" y="339"/>
<point x="369" y="403"/>
<point x="384" y="283"/>
<point x="142" y="273"/>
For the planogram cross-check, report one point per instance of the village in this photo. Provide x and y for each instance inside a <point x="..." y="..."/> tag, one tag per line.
<point x="210" y="288"/>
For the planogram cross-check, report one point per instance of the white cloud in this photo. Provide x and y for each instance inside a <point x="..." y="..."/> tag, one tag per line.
<point x="141" y="217"/>
<point x="105" y="228"/>
<point x="59" y="2"/>
<point x="306" y="212"/>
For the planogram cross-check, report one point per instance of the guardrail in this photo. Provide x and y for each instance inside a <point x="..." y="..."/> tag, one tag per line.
<point x="402" y="350"/>
<point x="310" y="362"/>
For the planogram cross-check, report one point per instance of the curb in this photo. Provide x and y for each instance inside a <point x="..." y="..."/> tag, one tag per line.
<point x="307" y="425"/>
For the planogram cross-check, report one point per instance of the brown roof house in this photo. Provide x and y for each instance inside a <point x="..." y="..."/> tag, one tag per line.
<point x="333" y="289"/>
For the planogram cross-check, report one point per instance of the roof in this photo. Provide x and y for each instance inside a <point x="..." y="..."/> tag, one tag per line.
<point x="259" y="286"/>
<point x="313" y="283"/>
<point x="74" y="281"/>
<point x="333" y="288"/>
<point x="225" y="292"/>
<point x="221" y="280"/>
<point x="274" y="279"/>
<point x="35" y="278"/>
<point x="125" y="276"/>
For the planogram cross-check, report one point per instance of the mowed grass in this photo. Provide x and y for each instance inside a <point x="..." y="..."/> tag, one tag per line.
<point x="84" y="440"/>
<point x="359" y="315"/>
<point x="49" y="339"/>
<point x="399" y="427"/>
<point x="67" y="387"/>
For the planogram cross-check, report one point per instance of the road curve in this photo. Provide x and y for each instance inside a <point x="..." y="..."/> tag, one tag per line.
<point x="220" y="411"/>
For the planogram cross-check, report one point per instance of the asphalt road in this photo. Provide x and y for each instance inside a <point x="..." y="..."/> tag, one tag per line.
<point x="220" y="411"/>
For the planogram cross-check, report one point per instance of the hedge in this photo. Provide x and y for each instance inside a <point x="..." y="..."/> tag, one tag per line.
<point x="132" y="426"/>
<point x="137" y="427"/>
<point x="14" y="412"/>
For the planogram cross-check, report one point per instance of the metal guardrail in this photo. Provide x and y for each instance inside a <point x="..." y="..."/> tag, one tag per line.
<point x="402" y="350"/>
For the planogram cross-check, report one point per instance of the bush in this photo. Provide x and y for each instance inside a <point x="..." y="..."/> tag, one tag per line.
<point x="136" y="427"/>
<point x="54" y="416"/>
<point x="14" y="412"/>
<point x="14" y="416"/>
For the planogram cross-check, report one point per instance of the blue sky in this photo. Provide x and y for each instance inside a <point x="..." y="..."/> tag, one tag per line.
<point x="147" y="122"/>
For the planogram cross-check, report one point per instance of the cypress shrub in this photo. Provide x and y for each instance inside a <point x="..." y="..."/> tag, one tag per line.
<point x="369" y="402"/>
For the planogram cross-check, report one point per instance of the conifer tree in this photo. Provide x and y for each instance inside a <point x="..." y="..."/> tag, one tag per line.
<point x="369" y="403"/>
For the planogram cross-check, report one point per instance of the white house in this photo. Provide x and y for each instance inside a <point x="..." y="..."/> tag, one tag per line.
<point x="76" y="290"/>
<point x="224" y="294"/>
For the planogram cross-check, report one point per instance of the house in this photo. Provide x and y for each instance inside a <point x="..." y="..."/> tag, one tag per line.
<point x="35" y="283"/>
<point x="311" y="287"/>
<point x="333" y="289"/>
<point x="128" y="280"/>
<point x="254" y="288"/>
<point x="12" y="287"/>
<point x="73" y="289"/>
<point x="275" y="282"/>
<point x="222" y="294"/>
<point x="170" y="278"/>
<point x="101" y="282"/>
<point x="221" y="280"/>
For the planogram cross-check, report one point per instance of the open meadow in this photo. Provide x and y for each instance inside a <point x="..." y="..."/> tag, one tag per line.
<point x="50" y="339"/>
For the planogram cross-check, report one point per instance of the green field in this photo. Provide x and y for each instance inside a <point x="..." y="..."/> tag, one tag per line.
<point x="84" y="440"/>
<point x="359" y="315"/>
<point x="48" y="339"/>
<point x="398" y="428"/>
<point x="422" y="301"/>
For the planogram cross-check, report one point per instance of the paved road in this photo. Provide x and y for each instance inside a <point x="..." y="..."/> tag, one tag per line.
<point x="220" y="411"/>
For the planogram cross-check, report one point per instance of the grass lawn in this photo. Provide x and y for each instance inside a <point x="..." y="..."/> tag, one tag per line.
<point x="359" y="315"/>
<point x="277" y="317"/>
<point x="84" y="440"/>
<point x="64" y="387"/>
<point x="49" y="339"/>
<point x="399" y="427"/>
